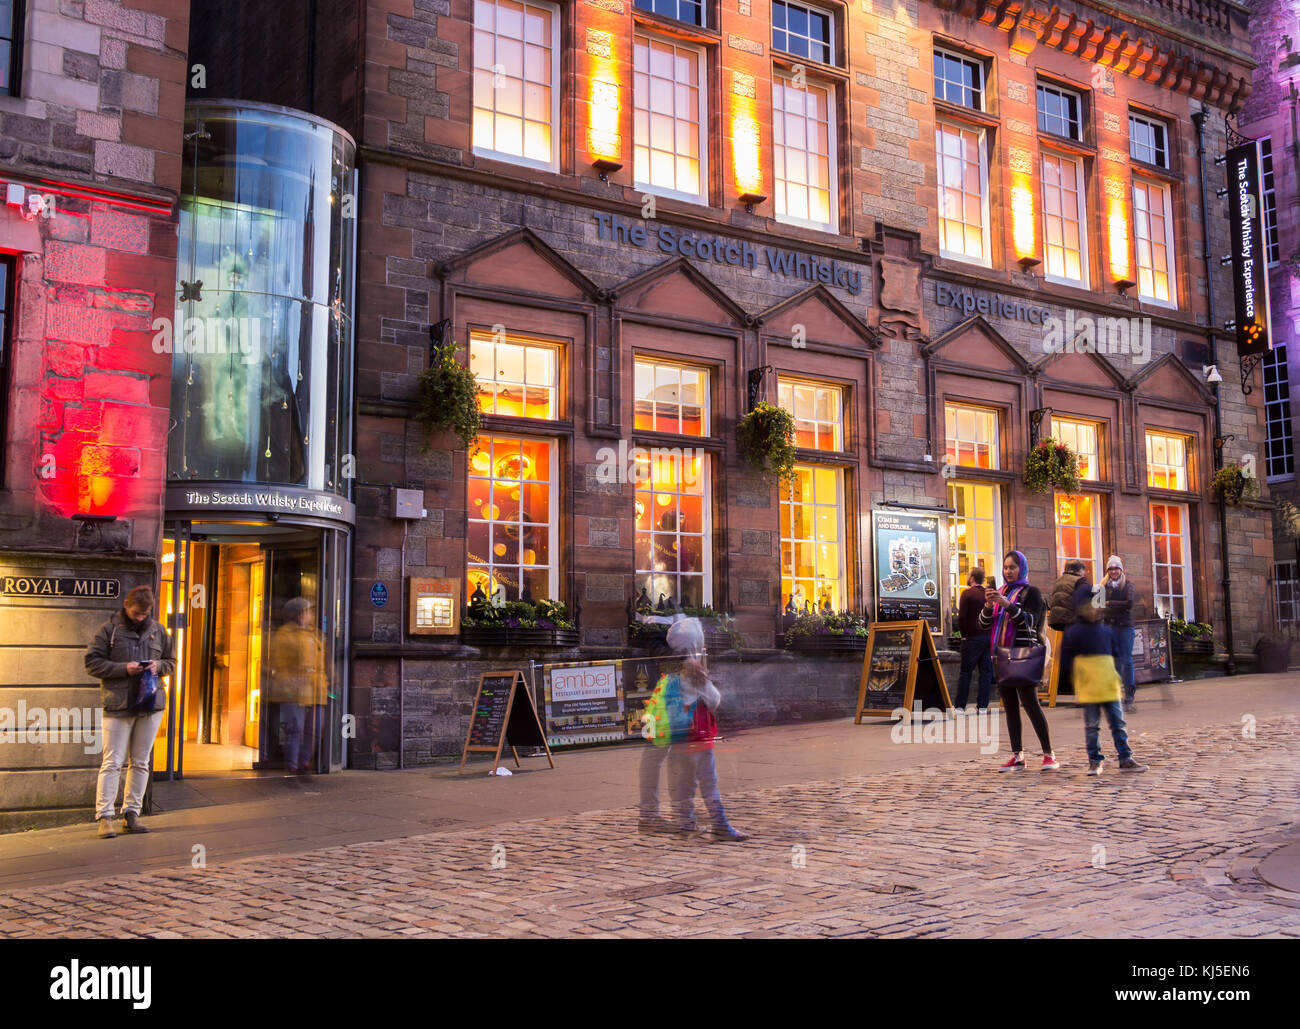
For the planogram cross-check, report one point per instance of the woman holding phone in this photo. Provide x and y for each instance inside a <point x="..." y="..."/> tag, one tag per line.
<point x="1013" y="615"/>
<point x="130" y="643"/>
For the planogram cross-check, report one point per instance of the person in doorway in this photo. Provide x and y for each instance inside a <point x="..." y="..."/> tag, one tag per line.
<point x="976" y="658"/>
<point x="1118" y="614"/>
<point x="1012" y="616"/>
<point x="127" y="645"/>
<point x="691" y="700"/>
<point x="1097" y="687"/>
<point x="298" y="683"/>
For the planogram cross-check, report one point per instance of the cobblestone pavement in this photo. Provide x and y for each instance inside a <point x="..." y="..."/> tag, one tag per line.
<point x="960" y="852"/>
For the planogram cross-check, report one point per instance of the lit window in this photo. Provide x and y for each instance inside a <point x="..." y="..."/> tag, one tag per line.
<point x="515" y="377"/>
<point x="1082" y="438"/>
<point x="959" y="80"/>
<point x="963" y="192"/>
<point x="1170" y="564"/>
<point x="1147" y="141"/>
<point x="803" y="31"/>
<point x="673" y="541"/>
<point x="974" y="533"/>
<point x="1078" y="532"/>
<point x="1153" y="232"/>
<point x="672" y="398"/>
<point x="511" y="531"/>
<point x="972" y="435"/>
<point x="1065" y="220"/>
<point x="1166" y="461"/>
<point x="1060" y="111"/>
<point x="670" y="118"/>
<point x="803" y="134"/>
<point x="516" y="72"/>
<point x="1279" y="453"/>
<point x="818" y="419"/>
<point x="812" y="540"/>
<point x="691" y="11"/>
<point x="1270" y="199"/>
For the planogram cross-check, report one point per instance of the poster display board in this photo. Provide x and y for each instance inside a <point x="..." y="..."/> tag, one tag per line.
<point x="434" y="606"/>
<point x="598" y="701"/>
<point x="900" y="667"/>
<point x="909" y="569"/>
<point x="1152" y="659"/>
<point x="503" y="714"/>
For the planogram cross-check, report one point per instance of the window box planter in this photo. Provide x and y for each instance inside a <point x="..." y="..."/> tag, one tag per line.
<point x="814" y="632"/>
<point x="717" y="638"/>
<point x="1185" y="646"/>
<point x="828" y="643"/>
<point x="503" y="636"/>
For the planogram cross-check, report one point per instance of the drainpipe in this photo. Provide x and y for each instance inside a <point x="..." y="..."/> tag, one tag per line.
<point x="1199" y="117"/>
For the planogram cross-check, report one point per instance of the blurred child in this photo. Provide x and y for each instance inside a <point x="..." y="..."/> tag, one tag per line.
<point x="1098" y="687"/>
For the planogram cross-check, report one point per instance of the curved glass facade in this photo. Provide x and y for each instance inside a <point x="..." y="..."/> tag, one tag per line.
<point x="262" y="344"/>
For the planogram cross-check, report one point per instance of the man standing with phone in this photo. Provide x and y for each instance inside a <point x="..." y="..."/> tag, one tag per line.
<point x="128" y="645"/>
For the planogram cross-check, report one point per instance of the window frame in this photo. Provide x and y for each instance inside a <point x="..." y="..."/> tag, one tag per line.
<point x="1081" y="182"/>
<point x="556" y="43"/>
<point x="1058" y="424"/>
<point x="838" y="433"/>
<point x="702" y="117"/>
<point x="941" y="51"/>
<point x="1095" y="529"/>
<point x="957" y="581"/>
<point x="1065" y="93"/>
<point x="833" y="60"/>
<point x="706" y="535"/>
<point x="553" y="524"/>
<point x="786" y="500"/>
<point x="1153" y="123"/>
<point x="1171" y="271"/>
<point x="556" y="350"/>
<point x="1268" y="182"/>
<point x="981" y="134"/>
<point x="703" y="5"/>
<point x="994" y="444"/>
<point x="12" y="86"/>
<point x="832" y="154"/>
<point x="1185" y="536"/>
<point x="1187" y="445"/>
<point x="1277" y="412"/>
<point x="706" y="413"/>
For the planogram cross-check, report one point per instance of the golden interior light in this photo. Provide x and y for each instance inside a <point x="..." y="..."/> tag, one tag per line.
<point x="745" y="148"/>
<point x="480" y="461"/>
<point x="1066" y="511"/>
<point x="603" y="137"/>
<point x="1117" y="223"/>
<point x="1022" y="217"/>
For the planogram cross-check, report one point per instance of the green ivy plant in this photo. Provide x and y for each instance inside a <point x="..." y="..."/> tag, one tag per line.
<point x="766" y="438"/>
<point x="449" y="398"/>
<point x="1232" y="484"/>
<point x="1052" y="466"/>
<point x="517" y="614"/>
<point x="814" y="624"/>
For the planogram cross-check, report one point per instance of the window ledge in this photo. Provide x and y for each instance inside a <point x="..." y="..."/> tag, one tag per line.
<point x="947" y="109"/>
<point x="684" y="30"/>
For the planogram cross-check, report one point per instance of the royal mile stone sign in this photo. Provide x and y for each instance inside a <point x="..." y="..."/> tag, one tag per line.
<point x="790" y="264"/>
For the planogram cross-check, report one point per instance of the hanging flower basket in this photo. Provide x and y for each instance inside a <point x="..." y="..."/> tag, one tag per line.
<point x="766" y="440"/>
<point x="1233" y="484"/>
<point x="1052" y="466"/>
<point x="448" y="397"/>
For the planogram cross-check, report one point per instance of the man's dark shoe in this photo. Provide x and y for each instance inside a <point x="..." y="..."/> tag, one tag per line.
<point x="658" y="825"/>
<point x="1131" y="765"/>
<point x="131" y="823"/>
<point x="728" y="833"/>
<point x="106" y="830"/>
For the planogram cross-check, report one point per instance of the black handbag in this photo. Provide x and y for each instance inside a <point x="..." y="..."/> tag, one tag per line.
<point x="1017" y="666"/>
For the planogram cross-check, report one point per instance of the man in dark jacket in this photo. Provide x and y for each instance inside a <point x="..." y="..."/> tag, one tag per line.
<point x="127" y="645"/>
<point x="975" y="654"/>
<point x="1120" y="594"/>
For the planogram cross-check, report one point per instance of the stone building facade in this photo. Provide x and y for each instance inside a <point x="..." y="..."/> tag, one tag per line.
<point x="90" y="141"/>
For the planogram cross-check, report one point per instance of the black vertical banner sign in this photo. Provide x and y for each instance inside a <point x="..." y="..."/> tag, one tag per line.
<point x="1249" y="259"/>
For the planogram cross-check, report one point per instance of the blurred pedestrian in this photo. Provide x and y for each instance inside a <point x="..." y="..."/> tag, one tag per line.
<point x="976" y="658"/>
<point x="1120" y="595"/>
<point x="128" y="647"/>
<point x="692" y="699"/>
<point x="1013" y="616"/>
<point x="299" y="683"/>
<point x="1097" y="687"/>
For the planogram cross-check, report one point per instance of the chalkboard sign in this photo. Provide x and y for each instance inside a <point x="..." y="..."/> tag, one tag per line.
<point x="1152" y="659"/>
<point x="503" y="713"/>
<point x="900" y="667"/>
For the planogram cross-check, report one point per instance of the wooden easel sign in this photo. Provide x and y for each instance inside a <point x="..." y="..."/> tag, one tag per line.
<point x="901" y="666"/>
<point x="1047" y="689"/>
<point x="503" y="713"/>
